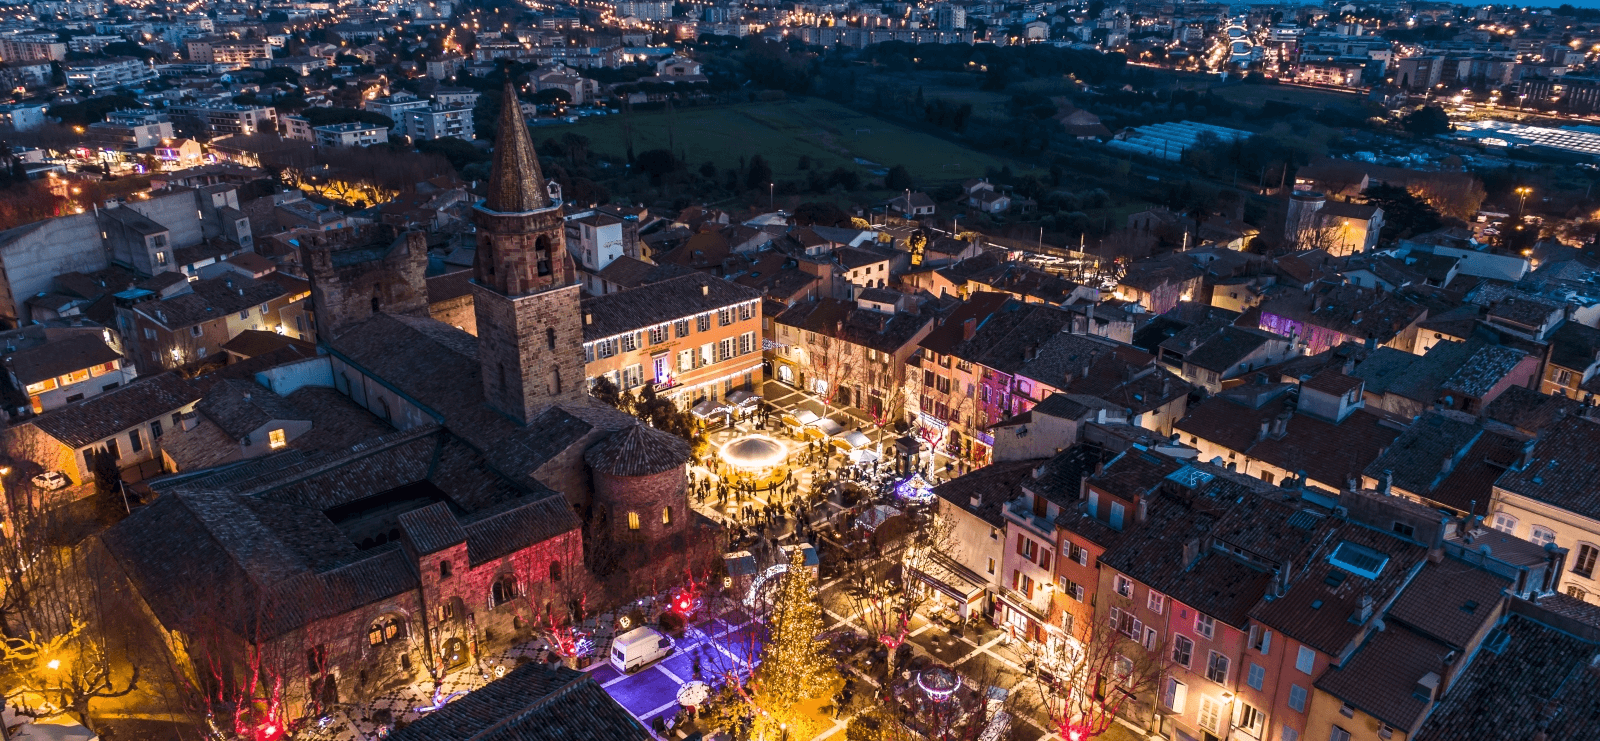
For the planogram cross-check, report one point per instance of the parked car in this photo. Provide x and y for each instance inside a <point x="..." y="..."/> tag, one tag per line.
<point x="52" y="480"/>
<point x="638" y="647"/>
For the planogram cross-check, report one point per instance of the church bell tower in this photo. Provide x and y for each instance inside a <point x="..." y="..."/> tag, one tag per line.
<point x="524" y="287"/>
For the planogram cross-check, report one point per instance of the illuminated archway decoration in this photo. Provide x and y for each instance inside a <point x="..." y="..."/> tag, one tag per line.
<point x="751" y="596"/>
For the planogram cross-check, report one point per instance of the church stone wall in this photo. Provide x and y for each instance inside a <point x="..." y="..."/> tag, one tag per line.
<point x="648" y="496"/>
<point x="356" y="273"/>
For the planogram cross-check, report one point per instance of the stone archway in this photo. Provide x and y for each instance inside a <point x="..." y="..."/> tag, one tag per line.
<point x="455" y="654"/>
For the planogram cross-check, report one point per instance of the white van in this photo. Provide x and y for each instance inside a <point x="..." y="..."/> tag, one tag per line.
<point x="638" y="647"/>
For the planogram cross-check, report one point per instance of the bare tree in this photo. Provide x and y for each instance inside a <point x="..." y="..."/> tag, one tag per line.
<point x="1086" y="680"/>
<point x="881" y="580"/>
<point x="80" y="648"/>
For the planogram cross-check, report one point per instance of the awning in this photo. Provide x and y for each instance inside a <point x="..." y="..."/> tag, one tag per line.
<point x="802" y="418"/>
<point x="945" y="575"/>
<point x="853" y="439"/>
<point x="864" y="456"/>
<point x="742" y="398"/>
<point x="828" y="427"/>
<point x="706" y="408"/>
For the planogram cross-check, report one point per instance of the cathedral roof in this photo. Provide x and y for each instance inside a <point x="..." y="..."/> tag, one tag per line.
<point x="640" y="450"/>
<point x="515" y="183"/>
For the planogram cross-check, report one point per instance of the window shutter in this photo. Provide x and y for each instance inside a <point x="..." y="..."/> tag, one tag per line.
<point x="1016" y="579"/>
<point x="1116" y="616"/>
<point x="1020" y="540"/>
<point x="1266" y="642"/>
<point x="1044" y="558"/>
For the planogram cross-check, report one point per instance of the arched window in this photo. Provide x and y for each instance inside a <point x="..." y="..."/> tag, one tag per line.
<point x="1541" y="535"/>
<point x="555" y="571"/>
<point x="503" y="591"/>
<point x="550" y="337"/>
<point x="386" y="629"/>
<point x="444" y="569"/>
<point x="1505" y="523"/>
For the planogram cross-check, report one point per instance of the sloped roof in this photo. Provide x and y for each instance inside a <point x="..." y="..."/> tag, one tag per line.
<point x="534" y="702"/>
<point x="99" y="417"/>
<point x="640" y="450"/>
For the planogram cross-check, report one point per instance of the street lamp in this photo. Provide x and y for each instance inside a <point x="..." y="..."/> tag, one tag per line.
<point x="1522" y="198"/>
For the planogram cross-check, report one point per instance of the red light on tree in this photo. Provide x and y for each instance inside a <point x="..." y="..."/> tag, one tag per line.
<point x="268" y="731"/>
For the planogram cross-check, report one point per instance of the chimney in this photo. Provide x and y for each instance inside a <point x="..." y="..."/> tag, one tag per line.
<point x="976" y="501"/>
<point x="1144" y="511"/>
<point x="588" y="318"/>
<point x="1427" y="687"/>
<point x="1266" y="427"/>
<point x="188" y="421"/>
<point x="969" y="327"/>
<point x="1280" y="424"/>
<point x="1556" y="562"/>
<point x="1386" y="485"/>
<point x="1191" y="551"/>
<point x="1083" y="487"/>
<point x="1365" y="611"/>
<point x="705" y="289"/>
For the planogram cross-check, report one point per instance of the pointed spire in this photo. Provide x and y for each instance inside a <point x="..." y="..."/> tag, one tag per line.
<point x="515" y="184"/>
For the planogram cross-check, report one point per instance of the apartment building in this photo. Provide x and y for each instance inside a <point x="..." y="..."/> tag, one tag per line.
<point x="397" y="107"/>
<point x="694" y="337"/>
<point x="131" y="129"/>
<point x="99" y="74"/>
<point x="192" y="324"/>
<point x="440" y="121"/>
<point x="32" y="48"/>
<point x="350" y="134"/>
<point x="212" y="120"/>
<point x="23" y="116"/>
<point x="218" y="50"/>
<point x="1273" y="614"/>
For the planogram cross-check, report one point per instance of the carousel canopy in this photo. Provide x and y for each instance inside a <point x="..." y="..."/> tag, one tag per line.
<point x="753" y="451"/>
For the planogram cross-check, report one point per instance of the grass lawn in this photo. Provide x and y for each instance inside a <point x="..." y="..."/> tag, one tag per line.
<point x="1255" y="95"/>
<point x="830" y="134"/>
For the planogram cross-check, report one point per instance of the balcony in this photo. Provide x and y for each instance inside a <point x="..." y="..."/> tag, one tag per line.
<point x="1018" y="511"/>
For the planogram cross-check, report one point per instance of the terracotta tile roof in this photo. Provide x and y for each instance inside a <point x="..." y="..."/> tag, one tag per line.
<point x="1539" y="681"/>
<point x="1528" y="410"/>
<point x="449" y="286"/>
<point x="993" y="485"/>
<point x="1061" y="477"/>
<point x="1571" y="608"/>
<point x="1451" y="601"/>
<point x="640" y="450"/>
<point x="1379" y="679"/>
<point x="531" y="703"/>
<point x="1318" y="606"/>
<point x="241" y="407"/>
<point x="1427" y="452"/>
<point x="1564" y="466"/>
<point x="256" y="342"/>
<point x="99" y="417"/>
<point x="865" y="327"/>
<point x="43" y="352"/>
<point x="211" y="299"/>
<point x="651" y="304"/>
<point x="1470" y="486"/>
<point x="1328" y="452"/>
<point x="432" y="528"/>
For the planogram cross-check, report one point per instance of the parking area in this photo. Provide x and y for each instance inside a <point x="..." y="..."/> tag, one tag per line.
<point x="710" y="650"/>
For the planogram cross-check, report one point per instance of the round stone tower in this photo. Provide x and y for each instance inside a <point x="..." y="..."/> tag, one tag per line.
<point x="640" y="484"/>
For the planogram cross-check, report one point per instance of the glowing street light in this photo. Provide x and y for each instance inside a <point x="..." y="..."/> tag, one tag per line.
<point x="1522" y="198"/>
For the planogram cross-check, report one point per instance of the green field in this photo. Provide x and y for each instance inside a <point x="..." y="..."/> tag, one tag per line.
<point x="829" y="134"/>
<point x="1255" y="95"/>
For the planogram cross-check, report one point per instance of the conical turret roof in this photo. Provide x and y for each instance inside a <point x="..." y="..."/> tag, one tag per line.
<point x="515" y="183"/>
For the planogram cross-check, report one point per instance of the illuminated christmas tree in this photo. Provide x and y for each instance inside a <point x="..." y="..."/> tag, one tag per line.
<point x="796" y="677"/>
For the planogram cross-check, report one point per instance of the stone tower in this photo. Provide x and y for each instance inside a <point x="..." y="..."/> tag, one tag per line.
<point x="362" y="271"/>
<point x="524" y="287"/>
